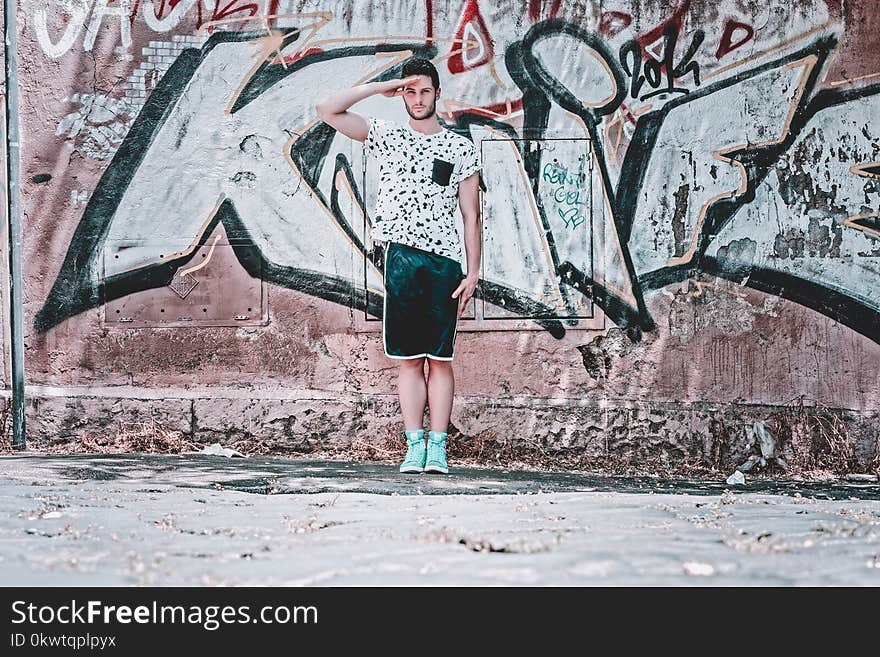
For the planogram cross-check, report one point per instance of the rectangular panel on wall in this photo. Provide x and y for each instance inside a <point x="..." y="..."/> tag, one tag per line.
<point x="212" y="289"/>
<point x="537" y="239"/>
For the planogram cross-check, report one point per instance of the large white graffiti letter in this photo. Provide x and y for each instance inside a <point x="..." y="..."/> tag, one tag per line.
<point x="123" y="11"/>
<point x="77" y="10"/>
<point x="170" y="21"/>
<point x="690" y="167"/>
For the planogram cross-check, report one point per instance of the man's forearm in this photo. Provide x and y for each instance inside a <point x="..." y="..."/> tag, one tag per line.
<point x="340" y="102"/>
<point x="472" y="244"/>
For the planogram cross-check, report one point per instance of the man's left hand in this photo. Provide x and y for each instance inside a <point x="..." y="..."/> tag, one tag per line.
<point x="464" y="292"/>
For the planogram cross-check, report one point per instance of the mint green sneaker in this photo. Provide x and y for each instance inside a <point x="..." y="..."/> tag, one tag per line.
<point x="414" y="461"/>
<point x="436" y="458"/>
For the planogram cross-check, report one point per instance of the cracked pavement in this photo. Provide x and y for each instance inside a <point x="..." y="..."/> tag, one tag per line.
<point x="193" y="520"/>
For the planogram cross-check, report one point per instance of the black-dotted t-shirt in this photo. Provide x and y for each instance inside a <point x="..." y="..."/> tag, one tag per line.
<point x="418" y="185"/>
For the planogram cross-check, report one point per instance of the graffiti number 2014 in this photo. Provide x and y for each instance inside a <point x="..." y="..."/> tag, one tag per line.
<point x="654" y="71"/>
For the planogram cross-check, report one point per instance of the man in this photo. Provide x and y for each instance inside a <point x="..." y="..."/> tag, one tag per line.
<point x="423" y="168"/>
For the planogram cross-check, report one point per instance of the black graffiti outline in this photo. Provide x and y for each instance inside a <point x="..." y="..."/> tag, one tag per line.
<point x="654" y="69"/>
<point x="542" y="82"/>
<point x="78" y="287"/>
<point x="75" y="291"/>
<point x="756" y="160"/>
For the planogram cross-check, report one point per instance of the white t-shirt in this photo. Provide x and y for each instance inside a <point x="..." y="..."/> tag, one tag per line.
<point x="418" y="185"/>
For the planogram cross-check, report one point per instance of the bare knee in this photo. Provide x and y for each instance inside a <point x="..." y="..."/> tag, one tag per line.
<point x="413" y="364"/>
<point x="439" y="365"/>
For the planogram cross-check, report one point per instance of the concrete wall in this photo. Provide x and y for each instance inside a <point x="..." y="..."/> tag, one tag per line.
<point x="680" y="209"/>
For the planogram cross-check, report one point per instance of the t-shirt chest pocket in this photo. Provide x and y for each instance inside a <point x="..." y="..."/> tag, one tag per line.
<point x="442" y="171"/>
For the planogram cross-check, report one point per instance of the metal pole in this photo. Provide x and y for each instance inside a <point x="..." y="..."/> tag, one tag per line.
<point x="13" y="208"/>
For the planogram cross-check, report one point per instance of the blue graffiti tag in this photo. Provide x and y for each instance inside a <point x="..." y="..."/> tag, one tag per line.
<point x="563" y="194"/>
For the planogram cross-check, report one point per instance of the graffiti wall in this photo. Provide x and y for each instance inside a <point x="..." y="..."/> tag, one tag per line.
<point x="680" y="202"/>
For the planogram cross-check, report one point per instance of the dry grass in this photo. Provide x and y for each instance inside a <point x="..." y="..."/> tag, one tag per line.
<point x="147" y="437"/>
<point x="486" y="450"/>
<point x="387" y="450"/>
<point x="814" y="439"/>
<point x="6" y="431"/>
<point x="363" y="450"/>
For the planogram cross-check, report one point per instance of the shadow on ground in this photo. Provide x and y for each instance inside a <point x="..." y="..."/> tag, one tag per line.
<point x="275" y="476"/>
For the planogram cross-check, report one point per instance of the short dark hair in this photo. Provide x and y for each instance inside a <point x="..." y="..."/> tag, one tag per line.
<point x="421" y="66"/>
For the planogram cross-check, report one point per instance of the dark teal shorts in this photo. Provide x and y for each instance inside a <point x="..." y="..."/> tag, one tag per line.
<point x="420" y="317"/>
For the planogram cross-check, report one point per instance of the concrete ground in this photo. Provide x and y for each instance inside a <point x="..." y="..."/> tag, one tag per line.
<point x="187" y="520"/>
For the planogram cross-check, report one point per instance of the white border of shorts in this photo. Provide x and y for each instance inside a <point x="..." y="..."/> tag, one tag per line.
<point x="384" y="308"/>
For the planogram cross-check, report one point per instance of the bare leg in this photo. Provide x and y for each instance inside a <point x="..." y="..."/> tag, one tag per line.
<point x="412" y="392"/>
<point x="441" y="388"/>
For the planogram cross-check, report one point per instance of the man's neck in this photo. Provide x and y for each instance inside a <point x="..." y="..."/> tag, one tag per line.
<point x="426" y="126"/>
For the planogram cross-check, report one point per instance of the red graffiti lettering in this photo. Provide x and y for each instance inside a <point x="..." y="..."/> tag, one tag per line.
<point x="472" y="28"/>
<point x="727" y="44"/>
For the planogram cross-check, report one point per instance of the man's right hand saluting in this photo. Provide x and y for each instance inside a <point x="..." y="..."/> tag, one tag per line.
<point x="391" y="88"/>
